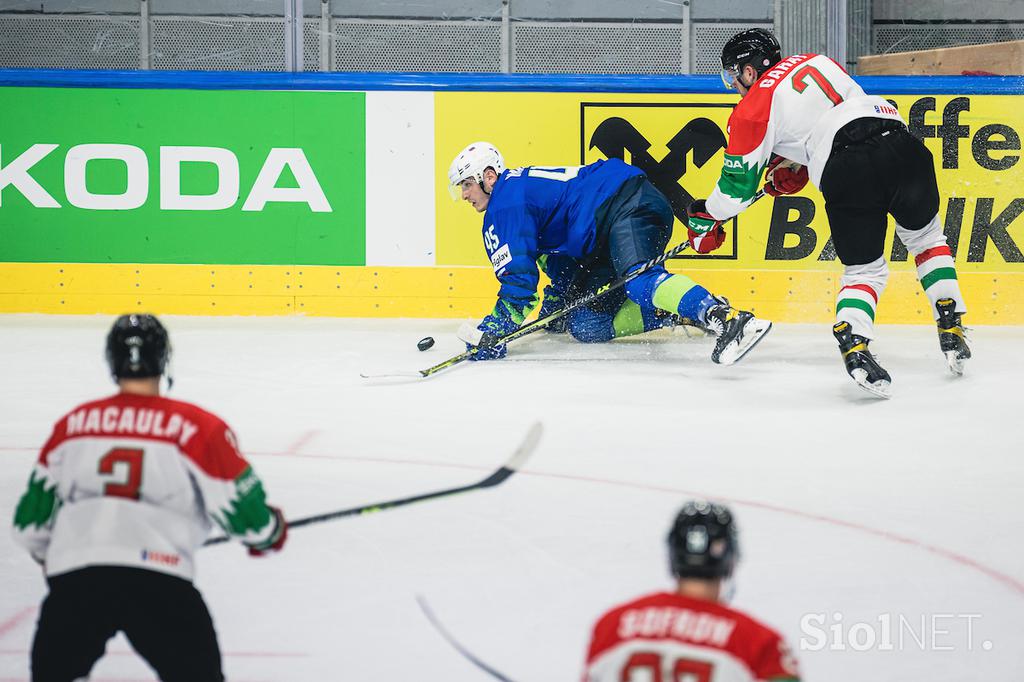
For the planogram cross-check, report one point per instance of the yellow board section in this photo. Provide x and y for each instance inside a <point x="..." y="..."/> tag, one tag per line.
<point x="85" y="288"/>
<point x="457" y="292"/>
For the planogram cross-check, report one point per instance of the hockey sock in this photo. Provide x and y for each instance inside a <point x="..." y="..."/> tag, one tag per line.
<point x="935" y="268"/>
<point x="860" y="289"/>
<point x="632" y="319"/>
<point x="671" y="293"/>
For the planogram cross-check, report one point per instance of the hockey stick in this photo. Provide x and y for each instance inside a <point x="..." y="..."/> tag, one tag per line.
<point x="543" y="322"/>
<point x="511" y="466"/>
<point x="540" y="323"/>
<point x="425" y="607"/>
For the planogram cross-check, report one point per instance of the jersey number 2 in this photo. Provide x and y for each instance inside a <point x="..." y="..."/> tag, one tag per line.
<point x="800" y="85"/>
<point x="129" y="488"/>
<point x="683" y="670"/>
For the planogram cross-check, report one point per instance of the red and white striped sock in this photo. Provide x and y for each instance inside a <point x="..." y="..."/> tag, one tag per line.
<point x="937" y="273"/>
<point x="856" y="304"/>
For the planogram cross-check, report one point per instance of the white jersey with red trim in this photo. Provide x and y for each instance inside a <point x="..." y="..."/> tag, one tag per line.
<point x="135" y="480"/>
<point x="794" y="110"/>
<point x="666" y="636"/>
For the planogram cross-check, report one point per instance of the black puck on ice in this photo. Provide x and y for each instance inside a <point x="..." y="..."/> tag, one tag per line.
<point x="425" y="343"/>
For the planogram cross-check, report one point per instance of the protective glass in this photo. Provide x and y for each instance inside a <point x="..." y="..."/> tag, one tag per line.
<point x="455" y="188"/>
<point x="729" y="76"/>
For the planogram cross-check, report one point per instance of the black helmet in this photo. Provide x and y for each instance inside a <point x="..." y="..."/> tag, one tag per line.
<point x="137" y="347"/>
<point x="703" y="542"/>
<point x="755" y="46"/>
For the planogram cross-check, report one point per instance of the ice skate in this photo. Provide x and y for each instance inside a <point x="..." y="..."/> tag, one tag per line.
<point x="737" y="330"/>
<point x="860" y="363"/>
<point x="952" y="338"/>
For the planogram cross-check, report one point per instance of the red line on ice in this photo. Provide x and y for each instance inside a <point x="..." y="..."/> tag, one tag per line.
<point x="1009" y="581"/>
<point x="301" y="442"/>
<point x="14" y="621"/>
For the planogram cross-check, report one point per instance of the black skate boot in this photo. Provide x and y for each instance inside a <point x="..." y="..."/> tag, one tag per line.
<point x="737" y="330"/>
<point x="860" y="363"/>
<point x="952" y="339"/>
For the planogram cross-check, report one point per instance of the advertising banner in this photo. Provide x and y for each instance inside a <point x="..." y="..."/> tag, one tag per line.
<point x="679" y="141"/>
<point x="178" y="194"/>
<point x="182" y="176"/>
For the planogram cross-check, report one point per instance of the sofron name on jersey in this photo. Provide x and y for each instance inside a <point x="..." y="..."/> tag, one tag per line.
<point x="140" y="422"/>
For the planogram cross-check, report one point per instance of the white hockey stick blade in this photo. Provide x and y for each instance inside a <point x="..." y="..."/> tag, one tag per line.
<point x="404" y="374"/>
<point x="879" y="389"/>
<point x="469" y="334"/>
<point x="466" y="653"/>
<point x="753" y="332"/>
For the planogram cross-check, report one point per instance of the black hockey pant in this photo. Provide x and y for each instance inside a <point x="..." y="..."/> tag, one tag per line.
<point x="876" y="169"/>
<point x="163" y="617"/>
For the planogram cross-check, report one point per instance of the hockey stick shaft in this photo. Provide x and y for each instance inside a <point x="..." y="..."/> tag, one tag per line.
<point x="581" y="302"/>
<point x="448" y="637"/>
<point x="502" y="473"/>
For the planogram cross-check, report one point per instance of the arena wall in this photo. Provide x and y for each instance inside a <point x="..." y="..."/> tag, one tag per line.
<point x="276" y="194"/>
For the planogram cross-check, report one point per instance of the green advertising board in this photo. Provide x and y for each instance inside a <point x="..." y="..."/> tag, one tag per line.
<point x="182" y="176"/>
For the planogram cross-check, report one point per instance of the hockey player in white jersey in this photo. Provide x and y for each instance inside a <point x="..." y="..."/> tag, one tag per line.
<point x="690" y="633"/>
<point x="123" y="493"/>
<point x="857" y="150"/>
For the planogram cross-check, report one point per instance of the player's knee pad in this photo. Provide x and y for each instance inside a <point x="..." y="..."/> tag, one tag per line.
<point x="928" y="237"/>
<point x="874" y="274"/>
<point x="591" y="326"/>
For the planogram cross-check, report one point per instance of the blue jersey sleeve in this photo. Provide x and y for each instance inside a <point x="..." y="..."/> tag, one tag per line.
<point x="510" y="237"/>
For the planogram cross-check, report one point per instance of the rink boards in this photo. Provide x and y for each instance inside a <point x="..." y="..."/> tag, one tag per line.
<point x="266" y="194"/>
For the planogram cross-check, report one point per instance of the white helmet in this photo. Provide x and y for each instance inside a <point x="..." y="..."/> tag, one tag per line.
<point x="471" y="163"/>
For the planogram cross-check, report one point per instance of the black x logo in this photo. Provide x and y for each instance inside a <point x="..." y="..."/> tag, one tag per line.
<point x="614" y="136"/>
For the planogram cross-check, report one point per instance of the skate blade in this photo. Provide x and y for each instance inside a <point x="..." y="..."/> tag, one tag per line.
<point x="753" y="332"/>
<point x="956" y="364"/>
<point x="879" y="389"/>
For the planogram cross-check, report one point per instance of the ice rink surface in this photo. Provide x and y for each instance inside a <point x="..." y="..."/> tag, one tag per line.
<point x="882" y="538"/>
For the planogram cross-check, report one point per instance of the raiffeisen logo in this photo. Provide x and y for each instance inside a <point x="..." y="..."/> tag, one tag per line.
<point x="17" y="173"/>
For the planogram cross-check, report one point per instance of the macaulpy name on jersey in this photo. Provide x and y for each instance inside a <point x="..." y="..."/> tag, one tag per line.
<point x="132" y="421"/>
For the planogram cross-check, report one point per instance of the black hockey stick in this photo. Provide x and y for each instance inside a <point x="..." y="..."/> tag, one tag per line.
<point x="425" y="607"/>
<point x="543" y="322"/>
<point x="511" y="466"/>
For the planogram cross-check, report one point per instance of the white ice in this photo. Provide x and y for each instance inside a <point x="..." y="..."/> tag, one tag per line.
<point x="907" y="510"/>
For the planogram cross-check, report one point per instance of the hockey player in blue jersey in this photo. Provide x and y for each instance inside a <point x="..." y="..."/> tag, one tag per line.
<point x="585" y="226"/>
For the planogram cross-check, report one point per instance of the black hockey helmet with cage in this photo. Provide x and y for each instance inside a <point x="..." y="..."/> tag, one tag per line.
<point x="137" y="347"/>
<point x="703" y="541"/>
<point x="755" y="46"/>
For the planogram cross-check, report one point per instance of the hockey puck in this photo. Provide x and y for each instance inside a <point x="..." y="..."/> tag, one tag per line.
<point x="425" y="343"/>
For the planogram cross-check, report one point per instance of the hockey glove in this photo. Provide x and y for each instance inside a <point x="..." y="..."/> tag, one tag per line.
<point x="706" y="234"/>
<point x="554" y="301"/>
<point x="276" y="540"/>
<point x="483" y="338"/>
<point x="784" y="177"/>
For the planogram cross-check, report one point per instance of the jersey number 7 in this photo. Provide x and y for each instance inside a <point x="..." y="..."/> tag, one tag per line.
<point x="128" y="488"/>
<point x="800" y="85"/>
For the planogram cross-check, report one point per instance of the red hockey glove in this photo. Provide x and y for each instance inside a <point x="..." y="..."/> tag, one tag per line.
<point x="706" y="234"/>
<point x="276" y="541"/>
<point x="784" y="177"/>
